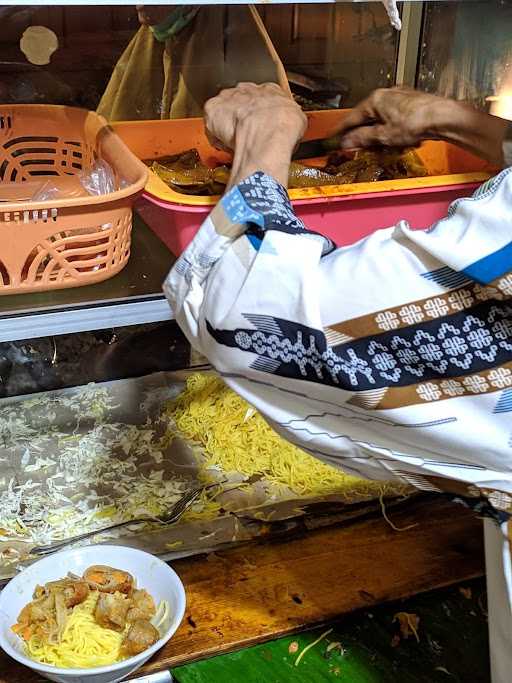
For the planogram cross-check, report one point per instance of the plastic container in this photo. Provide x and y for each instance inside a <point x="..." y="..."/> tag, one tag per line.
<point x="77" y="240"/>
<point x="345" y="213"/>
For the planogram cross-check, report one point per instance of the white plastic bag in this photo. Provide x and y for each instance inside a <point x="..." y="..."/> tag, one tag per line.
<point x="393" y="14"/>
<point x="96" y="181"/>
<point x="100" y="179"/>
<point x="46" y="192"/>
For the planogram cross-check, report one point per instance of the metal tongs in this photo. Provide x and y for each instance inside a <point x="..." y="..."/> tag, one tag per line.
<point x="173" y="515"/>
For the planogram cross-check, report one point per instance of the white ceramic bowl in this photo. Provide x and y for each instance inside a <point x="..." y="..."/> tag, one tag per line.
<point x="150" y="573"/>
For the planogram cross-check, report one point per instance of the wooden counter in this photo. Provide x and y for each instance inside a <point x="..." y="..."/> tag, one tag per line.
<point x="260" y="591"/>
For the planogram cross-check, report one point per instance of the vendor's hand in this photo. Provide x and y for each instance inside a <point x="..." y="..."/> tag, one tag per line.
<point x="260" y="124"/>
<point x="399" y="117"/>
<point x="395" y="117"/>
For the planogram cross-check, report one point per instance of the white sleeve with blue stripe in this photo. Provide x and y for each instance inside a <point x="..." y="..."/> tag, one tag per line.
<point x="390" y="358"/>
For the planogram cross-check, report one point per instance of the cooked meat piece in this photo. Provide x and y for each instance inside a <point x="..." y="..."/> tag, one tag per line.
<point x="108" y="579"/>
<point x="412" y="165"/>
<point x="183" y="160"/>
<point x="61" y="612"/>
<point x="143" y="606"/>
<point x="194" y="177"/>
<point x="374" y="164"/>
<point x="345" y="170"/>
<point x="25" y="616"/>
<point x="111" y="610"/>
<point x="370" y="174"/>
<point x="37" y="616"/>
<point x="74" y="591"/>
<point x="189" y="175"/>
<point x="47" y="614"/>
<point x="337" y="159"/>
<point x="347" y="173"/>
<point x="39" y="592"/>
<point x="142" y="634"/>
<point x="41" y="609"/>
<point x="301" y="176"/>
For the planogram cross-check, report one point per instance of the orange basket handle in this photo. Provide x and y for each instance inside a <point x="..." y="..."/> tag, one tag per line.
<point x="118" y="155"/>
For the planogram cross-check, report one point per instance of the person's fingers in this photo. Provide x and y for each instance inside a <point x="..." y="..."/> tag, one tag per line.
<point x="209" y="108"/>
<point x="246" y="86"/>
<point x="215" y="142"/>
<point x="214" y="103"/>
<point x="368" y="136"/>
<point x="226" y="92"/>
<point x="274" y="87"/>
<point x="264" y="102"/>
<point x="359" y="116"/>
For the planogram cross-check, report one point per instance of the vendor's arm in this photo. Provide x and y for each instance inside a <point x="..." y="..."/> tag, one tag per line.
<point x="391" y="357"/>
<point x="403" y="117"/>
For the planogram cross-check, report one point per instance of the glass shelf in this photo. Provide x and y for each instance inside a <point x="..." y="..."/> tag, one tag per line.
<point x="132" y="297"/>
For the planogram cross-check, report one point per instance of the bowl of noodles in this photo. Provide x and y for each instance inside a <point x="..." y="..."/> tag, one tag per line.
<point x="90" y="615"/>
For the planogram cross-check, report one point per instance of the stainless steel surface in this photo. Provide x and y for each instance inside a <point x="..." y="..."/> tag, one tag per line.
<point x="173" y="515"/>
<point x="134" y="296"/>
<point x="38" y="424"/>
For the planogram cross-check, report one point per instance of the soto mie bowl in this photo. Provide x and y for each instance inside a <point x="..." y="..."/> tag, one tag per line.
<point x="149" y="573"/>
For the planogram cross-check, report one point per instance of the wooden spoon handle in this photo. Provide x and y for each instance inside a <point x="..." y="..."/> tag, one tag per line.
<point x="281" y="72"/>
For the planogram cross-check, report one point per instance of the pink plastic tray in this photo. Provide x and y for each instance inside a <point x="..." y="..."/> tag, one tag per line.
<point x="345" y="213"/>
<point x="344" y="219"/>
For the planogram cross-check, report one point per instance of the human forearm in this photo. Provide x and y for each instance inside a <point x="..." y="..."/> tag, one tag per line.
<point x="272" y="155"/>
<point x="461" y="124"/>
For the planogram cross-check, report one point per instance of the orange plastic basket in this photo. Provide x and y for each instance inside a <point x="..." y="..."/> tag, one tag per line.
<point x="78" y="240"/>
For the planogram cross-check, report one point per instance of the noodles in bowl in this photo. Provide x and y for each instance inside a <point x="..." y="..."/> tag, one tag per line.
<point x="83" y="643"/>
<point x="94" y="620"/>
<point x="99" y="622"/>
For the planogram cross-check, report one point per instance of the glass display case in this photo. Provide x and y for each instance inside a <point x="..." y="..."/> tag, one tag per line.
<point x="479" y="75"/>
<point x="333" y="53"/>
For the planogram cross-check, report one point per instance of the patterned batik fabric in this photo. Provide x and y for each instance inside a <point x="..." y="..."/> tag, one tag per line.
<point x="390" y="358"/>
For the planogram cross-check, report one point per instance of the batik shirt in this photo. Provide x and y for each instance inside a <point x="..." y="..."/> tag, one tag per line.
<point x="390" y="358"/>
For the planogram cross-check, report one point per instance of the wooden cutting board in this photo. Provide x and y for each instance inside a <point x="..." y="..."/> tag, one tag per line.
<point x="259" y="591"/>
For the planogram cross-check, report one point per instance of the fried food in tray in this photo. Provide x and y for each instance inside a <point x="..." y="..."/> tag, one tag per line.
<point x="186" y="173"/>
<point x="368" y="166"/>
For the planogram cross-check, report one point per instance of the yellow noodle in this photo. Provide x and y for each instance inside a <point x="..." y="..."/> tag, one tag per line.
<point x="235" y="438"/>
<point x="83" y="643"/>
